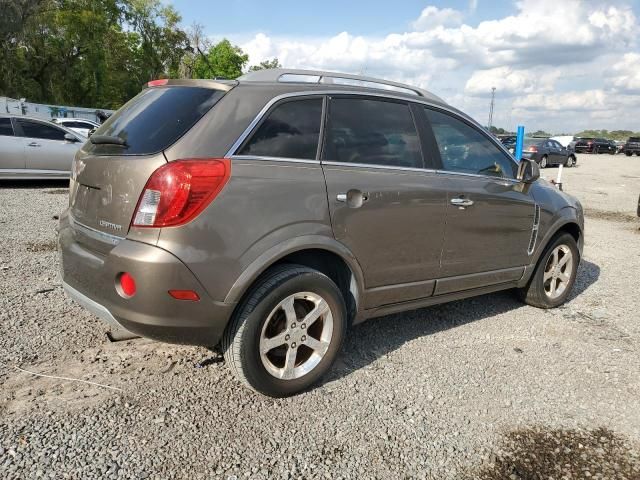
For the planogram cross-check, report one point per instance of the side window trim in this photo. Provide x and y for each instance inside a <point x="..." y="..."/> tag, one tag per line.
<point x="440" y="168"/>
<point x="55" y="127"/>
<point x="327" y="114"/>
<point x="263" y="116"/>
<point x="13" y="129"/>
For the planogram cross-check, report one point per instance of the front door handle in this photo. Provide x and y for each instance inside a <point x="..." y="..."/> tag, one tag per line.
<point x="461" y="202"/>
<point x="34" y="144"/>
<point x="353" y="198"/>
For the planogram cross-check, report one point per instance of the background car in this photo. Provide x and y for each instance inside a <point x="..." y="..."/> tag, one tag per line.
<point x="620" y="146"/>
<point x="547" y="152"/>
<point x="593" y="145"/>
<point x="35" y="149"/>
<point x="78" y="125"/>
<point x="509" y="141"/>
<point x="564" y="140"/>
<point x="632" y="146"/>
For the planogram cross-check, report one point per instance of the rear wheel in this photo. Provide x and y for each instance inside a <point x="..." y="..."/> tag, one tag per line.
<point x="287" y="332"/>
<point x="543" y="162"/>
<point x="554" y="275"/>
<point x="628" y="154"/>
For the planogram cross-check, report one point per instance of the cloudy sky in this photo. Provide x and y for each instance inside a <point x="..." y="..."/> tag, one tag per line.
<point x="557" y="65"/>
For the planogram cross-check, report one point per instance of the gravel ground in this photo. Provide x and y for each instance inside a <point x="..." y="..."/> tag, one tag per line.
<point x="481" y="388"/>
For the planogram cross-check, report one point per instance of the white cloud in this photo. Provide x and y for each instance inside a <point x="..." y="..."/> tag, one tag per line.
<point x="434" y="17"/>
<point x="547" y="58"/>
<point x="625" y="75"/>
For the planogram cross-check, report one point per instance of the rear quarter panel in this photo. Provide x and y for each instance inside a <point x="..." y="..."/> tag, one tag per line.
<point x="264" y="204"/>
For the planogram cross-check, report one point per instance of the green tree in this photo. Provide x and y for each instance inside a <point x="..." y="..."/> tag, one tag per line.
<point x="265" y="65"/>
<point x="222" y="60"/>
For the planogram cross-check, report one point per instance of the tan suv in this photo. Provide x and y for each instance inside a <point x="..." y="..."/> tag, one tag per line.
<point x="269" y="214"/>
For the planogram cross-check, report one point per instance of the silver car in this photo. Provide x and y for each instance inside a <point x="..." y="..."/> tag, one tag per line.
<point x="36" y="149"/>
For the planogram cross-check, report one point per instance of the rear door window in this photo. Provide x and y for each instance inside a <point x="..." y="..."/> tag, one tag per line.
<point x="291" y="130"/>
<point x="464" y="149"/>
<point x="6" y="130"/>
<point x="155" y="118"/>
<point x="40" y="130"/>
<point x="372" y="132"/>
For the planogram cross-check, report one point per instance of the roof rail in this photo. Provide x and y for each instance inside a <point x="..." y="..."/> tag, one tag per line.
<point x="286" y="75"/>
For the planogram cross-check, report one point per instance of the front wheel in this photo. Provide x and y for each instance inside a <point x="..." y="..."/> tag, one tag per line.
<point x="288" y="331"/>
<point x="628" y="154"/>
<point x="570" y="161"/>
<point x="554" y="275"/>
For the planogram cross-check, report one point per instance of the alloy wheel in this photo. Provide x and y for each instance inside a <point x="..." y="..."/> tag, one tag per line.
<point x="558" y="271"/>
<point x="296" y="335"/>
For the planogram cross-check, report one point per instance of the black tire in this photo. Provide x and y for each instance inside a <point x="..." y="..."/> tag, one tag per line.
<point x="534" y="293"/>
<point x="241" y="341"/>
<point x="638" y="154"/>
<point x="628" y="154"/>
<point x="544" y="162"/>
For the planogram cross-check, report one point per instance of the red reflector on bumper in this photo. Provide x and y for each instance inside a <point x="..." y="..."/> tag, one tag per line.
<point x="184" y="295"/>
<point x="127" y="285"/>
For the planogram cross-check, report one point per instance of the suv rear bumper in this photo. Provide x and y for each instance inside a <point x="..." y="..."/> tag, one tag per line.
<point x="89" y="277"/>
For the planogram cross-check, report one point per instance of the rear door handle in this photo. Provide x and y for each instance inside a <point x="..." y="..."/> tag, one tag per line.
<point x="461" y="202"/>
<point x="34" y="144"/>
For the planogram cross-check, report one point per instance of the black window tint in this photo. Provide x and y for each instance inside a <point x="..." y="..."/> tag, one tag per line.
<point x="155" y="118"/>
<point x="373" y="132"/>
<point x="464" y="149"/>
<point x="40" y="130"/>
<point x="291" y="130"/>
<point x="6" y="130"/>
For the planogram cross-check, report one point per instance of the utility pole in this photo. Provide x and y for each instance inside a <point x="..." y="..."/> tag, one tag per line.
<point x="493" y="96"/>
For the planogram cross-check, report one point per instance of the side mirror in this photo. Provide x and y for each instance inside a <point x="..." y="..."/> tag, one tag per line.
<point x="70" y="138"/>
<point x="529" y="171"/>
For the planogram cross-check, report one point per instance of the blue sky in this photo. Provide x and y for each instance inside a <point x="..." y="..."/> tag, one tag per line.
<point x="307" y="18"/>
<point x="557" y="65"/>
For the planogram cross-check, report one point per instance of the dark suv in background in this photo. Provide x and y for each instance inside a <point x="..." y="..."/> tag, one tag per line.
<point x="593" y="145"/>
<point x="267" y="215"/>
<point x="632" y="146"/>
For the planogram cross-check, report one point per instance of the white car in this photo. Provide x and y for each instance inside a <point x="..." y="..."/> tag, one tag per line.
<point x="78" y="125"/>
<point x="31" y="148"/>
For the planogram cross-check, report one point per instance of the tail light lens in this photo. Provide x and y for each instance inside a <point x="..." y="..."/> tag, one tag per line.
<point x="532" y="149"/>
<point x="178" y="191"/>
<point x="157" y="83"/>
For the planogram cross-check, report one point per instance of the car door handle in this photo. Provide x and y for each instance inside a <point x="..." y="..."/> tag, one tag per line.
<point x="33" y="144"/>
<point x="461" y="202"/>
<point x="353" y="198"/>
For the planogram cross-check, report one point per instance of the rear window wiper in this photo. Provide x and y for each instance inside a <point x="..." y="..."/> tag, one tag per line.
<point x="107" y="140"/>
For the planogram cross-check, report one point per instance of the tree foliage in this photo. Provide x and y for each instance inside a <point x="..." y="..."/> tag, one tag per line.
<point x="98" y="53"/>
<point x="274" y="63"/>
<point x="611" y="135"/>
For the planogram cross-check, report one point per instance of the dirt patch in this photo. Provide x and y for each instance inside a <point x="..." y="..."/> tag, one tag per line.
<point x="611" y="216"/>
<point x="536" y="454"/>
<point x="58" y="191"/>
<point x="37" y="247"/>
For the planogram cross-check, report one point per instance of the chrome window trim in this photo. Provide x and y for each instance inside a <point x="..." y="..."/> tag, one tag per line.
<point x="477" y="175"/>
<point x="274" y="159"/>
<point x="321" y="93"/>
<point x="381" y="167"/>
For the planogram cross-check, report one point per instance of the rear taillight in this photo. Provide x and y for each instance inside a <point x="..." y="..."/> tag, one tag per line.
<point x="532" y="149"/>
<point x="589" y="143"/>
<point x="178" y="191"/>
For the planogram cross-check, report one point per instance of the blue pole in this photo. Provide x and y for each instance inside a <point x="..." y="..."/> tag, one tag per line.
<point x="519" y="142"/>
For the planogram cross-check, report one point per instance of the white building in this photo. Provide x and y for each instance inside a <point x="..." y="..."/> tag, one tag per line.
<point x="47" y="112"/>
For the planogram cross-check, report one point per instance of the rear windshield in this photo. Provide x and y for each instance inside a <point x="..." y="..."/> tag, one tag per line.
<point x="155" y="118"/>
<point x="634" y="139"/>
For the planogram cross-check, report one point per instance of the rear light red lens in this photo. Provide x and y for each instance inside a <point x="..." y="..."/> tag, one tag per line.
<point x="532" y="148"/>
<point x="127" y="285"/>
<point x="178" y="191"/>
<point x="157" y="83"/>
<point x="185" y="295"/>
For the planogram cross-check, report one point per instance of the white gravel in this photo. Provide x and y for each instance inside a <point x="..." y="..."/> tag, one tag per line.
<point x="462" y="390"/>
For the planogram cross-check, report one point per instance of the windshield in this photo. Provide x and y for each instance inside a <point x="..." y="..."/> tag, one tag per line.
<point x="154" y="119"/>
